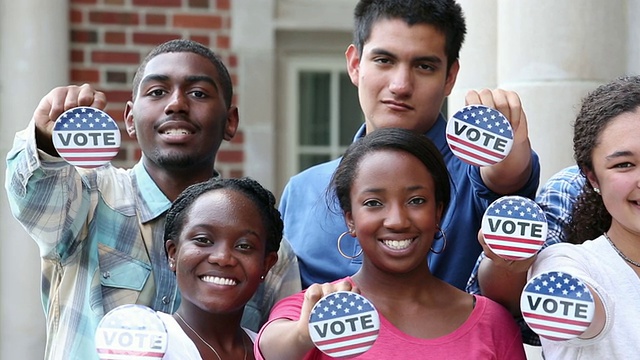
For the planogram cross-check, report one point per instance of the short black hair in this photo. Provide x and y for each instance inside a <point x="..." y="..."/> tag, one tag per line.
<point x="391" y="139"/>
<point x="445" y="15"/>
<point x="184" y="45"/>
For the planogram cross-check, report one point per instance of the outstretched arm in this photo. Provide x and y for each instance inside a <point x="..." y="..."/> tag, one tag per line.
<point x="285" y="339"/>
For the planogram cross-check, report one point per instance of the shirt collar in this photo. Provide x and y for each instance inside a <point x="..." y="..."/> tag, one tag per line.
<point x="152" y="201"/>
<point x="436" y="133"/>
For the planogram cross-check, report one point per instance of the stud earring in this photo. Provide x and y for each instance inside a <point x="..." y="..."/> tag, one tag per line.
<point x="596" y="190"/>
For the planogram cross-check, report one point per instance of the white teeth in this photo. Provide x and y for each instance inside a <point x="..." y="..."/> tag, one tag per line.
<point x="398" y="244"/>
<point x="176" y="132"/>
<point x="218" y="280"/>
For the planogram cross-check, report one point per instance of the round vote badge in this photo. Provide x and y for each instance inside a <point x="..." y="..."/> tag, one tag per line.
<point x="557" y="306"/>
<point x="131" y="332"/>
<point x="479" y="135"/>
<point x="86" y="137"/>
<point x="514" y="227"/>
<point x="344" y="324"/>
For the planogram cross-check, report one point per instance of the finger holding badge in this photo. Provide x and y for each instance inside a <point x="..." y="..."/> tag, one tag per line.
<point x="86" y="137"/>
<point x="479" y="135"/>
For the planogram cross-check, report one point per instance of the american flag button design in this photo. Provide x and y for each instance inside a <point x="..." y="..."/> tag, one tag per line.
<point x="479" y="135"/>
<point x="131" y="332"/>
<point x="557" y="306"/>
<point x="86" y="137"/>
<point x="344" y="324"/>
<point x="514" y="227"/>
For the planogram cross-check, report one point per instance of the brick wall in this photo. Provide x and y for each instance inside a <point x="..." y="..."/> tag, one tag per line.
<point x="109" y="38"/>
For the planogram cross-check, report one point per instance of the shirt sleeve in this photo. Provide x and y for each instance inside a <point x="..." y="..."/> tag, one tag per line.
<point x="282" y="280"/>
<point x="556" y="198"/>
<point x="46" y="195"/>
<point x="287" y="308"/>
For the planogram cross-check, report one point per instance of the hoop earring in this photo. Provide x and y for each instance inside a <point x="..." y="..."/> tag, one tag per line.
<point x="340" y="250"/>
<point x="444" y="245"/>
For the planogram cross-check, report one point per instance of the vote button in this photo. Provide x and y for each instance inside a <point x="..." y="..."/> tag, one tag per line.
<point x="557" y="306"/>
<point x="479" y="135"/>
<point x="514" y="227"/>
<point x="131" y="332"/>
<point x="86" y="137"/>
<point x="344" y="324"/>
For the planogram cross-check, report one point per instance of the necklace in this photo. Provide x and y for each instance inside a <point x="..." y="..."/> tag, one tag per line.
<point x="632" y="262"/>
<point x="206" y="343"/>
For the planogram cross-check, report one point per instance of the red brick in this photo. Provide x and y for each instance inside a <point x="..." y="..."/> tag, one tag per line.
<point x="75" y="16"/>
<point x="202" y="39"/>
<point x="121" y="96"/>
<point x="231" y="156"/>
<point x="137" y="154"/>
<point x="223" y="42"/>
<point x="232" y="61"/>
<point x="117" y="77"/>
<point x="84" y="36"/>
<point x="153" y="38"/>
<point x="223" y="4"/>
<point x="77" y="56"/>
<point x="110" y="17"/>
<point x="115" y="37"/>
<point x="197" y="21"/>
<point x="120" y="156"/>
<point x="235" y="174"/>
<point x="85" y="75"/>
<point x="116" y="111"/>
<point x="239" y="138"/>
<point x="160" y="3"/>
<point x="115" y="57"/>
<point x="199" y="4"/>
<point x="155" y="19"/>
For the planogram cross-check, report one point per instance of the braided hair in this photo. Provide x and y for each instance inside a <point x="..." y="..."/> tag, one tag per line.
<point x="262" y="198"/>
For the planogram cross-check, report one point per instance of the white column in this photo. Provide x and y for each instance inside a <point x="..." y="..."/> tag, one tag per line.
<point x="479" y="54"/>
<point x="33" y="59"/>
<point x="552" y="52"/>
<point x="253" y="39"/>
<point x="633" y="29"/>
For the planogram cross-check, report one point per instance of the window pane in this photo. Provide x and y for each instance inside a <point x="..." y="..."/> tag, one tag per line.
<point x="315" y="108"/>
<point x="351" y="116"/>
<point x="309" y="160"/>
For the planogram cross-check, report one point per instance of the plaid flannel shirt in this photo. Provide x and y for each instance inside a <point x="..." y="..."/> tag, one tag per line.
<point x="99" y="232"/>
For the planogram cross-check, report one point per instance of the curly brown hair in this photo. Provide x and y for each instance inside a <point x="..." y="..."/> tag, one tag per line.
<point x="590" y="218"/>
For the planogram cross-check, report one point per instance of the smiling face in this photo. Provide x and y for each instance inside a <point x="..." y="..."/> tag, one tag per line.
<point x="394" y="211"/>
<point x="179" y="115"/>
<point x="616" y="171"/>
<point x="219" y="255"/>
<point x="402" y="75"/>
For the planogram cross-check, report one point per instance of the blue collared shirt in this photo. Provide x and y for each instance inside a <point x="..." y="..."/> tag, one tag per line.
<point x="313" y="222"/>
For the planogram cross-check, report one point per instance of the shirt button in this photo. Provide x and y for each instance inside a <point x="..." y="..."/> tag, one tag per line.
<point x="106" y="274"/>
<point x="165" y="300"/>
